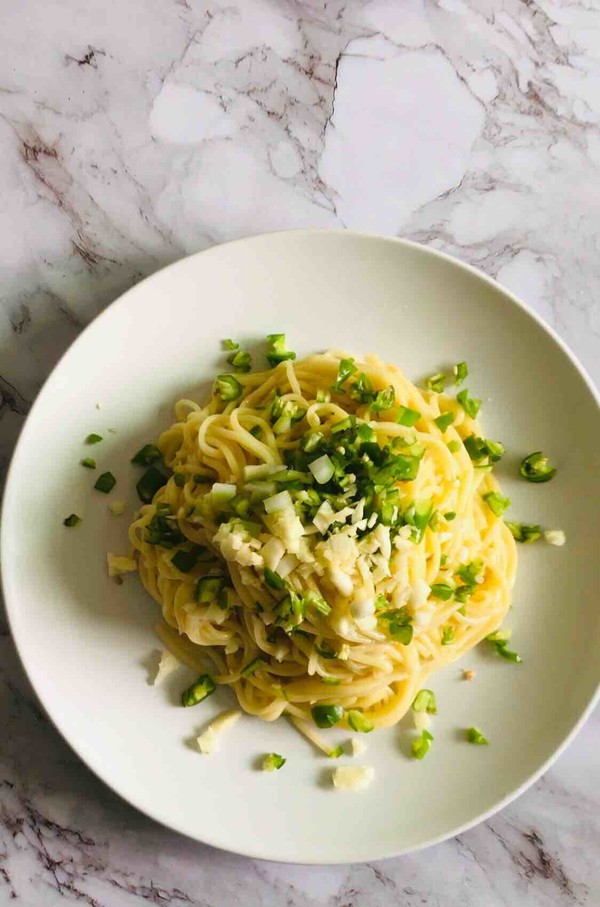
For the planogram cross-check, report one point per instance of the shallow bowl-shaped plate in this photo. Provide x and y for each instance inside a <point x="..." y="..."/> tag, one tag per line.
<point x="85" y="642"/>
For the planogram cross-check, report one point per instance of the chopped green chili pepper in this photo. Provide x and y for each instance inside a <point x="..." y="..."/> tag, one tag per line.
<point x="227" y="388"/>
<point x="436" y="382"/>
<point x="444" y="421"/>
<point x="448" y="634"/>
<point x="362" y="389"/>
<point x="93" y="439"/>
<point x="500" y="647"/>
<point x="525" y="534"/>
<point x="198" y="691"/>
<point x="185" y="560"/>
<point x="202" y="479"/>
<point x="242" y="362"/>
<point x="258" y="664"/>
<point x="147" y="455"/>
<point x="419" y="515"/>
<point x="443" y="560"/>
<point x="148" y="485"/>
<point x="163" y="529"/>
<point x="384" y="399"/>
<point x="462" y="593"/>
<point x="420" y="747"/>
<point x="460" y="372"/>
<point x="325" y="650"/>
<point x="473" y="735"/>
<point x="453" y="446"/>
<point x="208" y="588"/>
<point x="345" y="369"/>
<point x="327" y="715"/>
<point x="336" y="753"/>
<point x="311" y="441"/>
<point x="105" y="483"/>
<point x="480" y="449"/>
<point x="471" y="405"/>
<point x="273" y="580"/>
<point x="496" y="502"/>
<point x="536" y="468"/>
<point x="470" y="572"/>
<point x="331" y="681"/>
<point x="276" y="351"/>
<point x="273" y="762"/>
<point x="359" y="722"/>
<point x="424" y="701"/>
<point x="256" y="432"/>
<point x="401" y="468"/>
<point x="343" y="425"/>
<point x="230" y="345"/>
<point x="72" y="520"/>
<point x="450" y="515"/>
<point x="398" y="624"/>
<point x="443" y="591"/>
<point x="88" y="463"/>
<point x="180" y="479"/>
<point x="223" y="597"/>
<point x="407" y="417"/>
<point x="290" y="612"/>
<point x="314" y="600"/>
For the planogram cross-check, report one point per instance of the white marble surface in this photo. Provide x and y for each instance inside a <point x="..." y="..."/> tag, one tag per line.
<point x="133" y="132"/>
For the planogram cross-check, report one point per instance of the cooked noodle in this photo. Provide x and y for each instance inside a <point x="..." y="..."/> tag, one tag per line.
<point x="365" y="664"/>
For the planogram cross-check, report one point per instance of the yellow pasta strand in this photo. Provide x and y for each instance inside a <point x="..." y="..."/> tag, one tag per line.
<point x="371" y="671"/>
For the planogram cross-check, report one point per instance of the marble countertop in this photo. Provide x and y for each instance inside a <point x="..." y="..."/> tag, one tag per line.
<point x="133" y="132"/>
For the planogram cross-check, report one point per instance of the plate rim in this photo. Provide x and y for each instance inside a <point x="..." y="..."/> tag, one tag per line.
<point x="507" y="296"/>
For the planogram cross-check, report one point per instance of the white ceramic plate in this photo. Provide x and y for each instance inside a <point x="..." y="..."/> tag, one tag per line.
<point x="85" y="642"/>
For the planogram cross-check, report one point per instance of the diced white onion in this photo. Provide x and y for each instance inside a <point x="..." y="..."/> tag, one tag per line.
<point x="358" y="746"/>
<point x="358" y="512"/>
<point x="382" y="534"/>
<point x="322" y="469"/>
<point x="342" y="515"/>
<point x="287" y="563"/>
<point x="381" y="568"/>
<point x="362" y="607"/>
<point x="278" y="502"/>
<point x="555" y="537"/>
<point x="221" y="492"/>
<point x="422" y="720"/>
<point x="272" y="552"/>
<point x="419" y="593"/>
<point x="350" y="777"/>
<point x="324" y="517"/>
<point x="423" y="617"/>
<point x="341" y="581"/>
<point x="209" y="740"/>
<point x="400" y="596"/>
<point x="260" y="490"/>
<point x="117" y="507"/>
<point x="167" y="664"/>
<point x="118" y="564"/>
